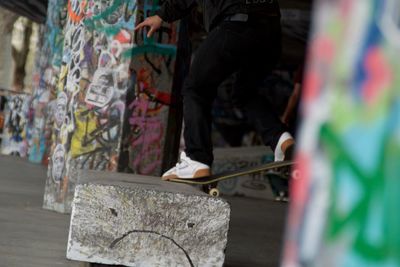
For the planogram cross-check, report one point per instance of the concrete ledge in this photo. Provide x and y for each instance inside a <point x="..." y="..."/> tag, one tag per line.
<point x="141" y="221"/>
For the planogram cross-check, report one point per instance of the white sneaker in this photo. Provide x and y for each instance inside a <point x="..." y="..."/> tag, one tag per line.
<point x="278" y="153"/>
<point x="187" y="169"/>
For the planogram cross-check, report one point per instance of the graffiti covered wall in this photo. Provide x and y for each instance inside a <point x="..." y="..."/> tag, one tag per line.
<point x="48" y="64"/>
<point x="113" y="91"/>
<point x="152" y="67"/>
<point x="90" y="102"/>
<point x="344" y="208"/>
<point x="233" y="159"/>
<point x="15" y="125"/>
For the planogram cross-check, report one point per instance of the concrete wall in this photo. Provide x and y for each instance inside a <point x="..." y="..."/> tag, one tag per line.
<point x="15" y="125"/>
<point x="7" y="20"/>
<point x="153" y="68"/>
<point x="16" y="56"/>
<point x="91" y="95"/>
<point x="233" y="159"/>
<point x="113" y="91"/>
<point x="46" y="76"/>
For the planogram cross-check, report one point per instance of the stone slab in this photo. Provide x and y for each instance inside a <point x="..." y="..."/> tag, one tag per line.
<point x="136" y="220"/>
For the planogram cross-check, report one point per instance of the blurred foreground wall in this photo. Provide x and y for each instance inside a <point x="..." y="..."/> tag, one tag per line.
<point x="344" y="207"/>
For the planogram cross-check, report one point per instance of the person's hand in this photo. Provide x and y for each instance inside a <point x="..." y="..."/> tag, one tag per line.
<point x="154" y="22"/>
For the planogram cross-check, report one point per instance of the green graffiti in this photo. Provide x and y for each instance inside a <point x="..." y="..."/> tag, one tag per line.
<point x="154" y="7"/>
<point x="95" y="22"/>
<point x="151" y="49"/>
<point x="374" y="196"/>
<point x="116" y="4"/>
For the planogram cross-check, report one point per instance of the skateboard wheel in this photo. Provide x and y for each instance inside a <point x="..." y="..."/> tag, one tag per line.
<point x="296" y="174"/>
<point x="214" y="192"/>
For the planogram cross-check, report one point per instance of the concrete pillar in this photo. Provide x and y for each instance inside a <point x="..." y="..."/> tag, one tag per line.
<point x="46" y="76"/>
<point x="149" y="112"/>
<point x="113" y="95"/>
<point x="14" y="52"/>
<point x="7" y="20"/>
<point x="15" y="125"/>
<point x="21" y="40"/>
<point x="135" y="220"/>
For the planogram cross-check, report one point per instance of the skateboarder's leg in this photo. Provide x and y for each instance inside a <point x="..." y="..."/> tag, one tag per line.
<point x="265" y="120"/>
<point x="210" y="67"/>
<point x="230" y="47"/>
<point x="258" y="111"/>
<point x="234" y="46"/>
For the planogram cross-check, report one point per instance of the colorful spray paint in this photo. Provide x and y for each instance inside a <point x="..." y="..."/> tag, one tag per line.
<point x="103" y="62"/>
<point x="15" y="125"/>
<point x="344" y="206"/>
<point x="153" y="66"/>
<point x="46" y="74"/>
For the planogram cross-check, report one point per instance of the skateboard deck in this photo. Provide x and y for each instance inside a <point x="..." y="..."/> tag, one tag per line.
<point x="209" y="183"/>
<point x="231" y="174"/>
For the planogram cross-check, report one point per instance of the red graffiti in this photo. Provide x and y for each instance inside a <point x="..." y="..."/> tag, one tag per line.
<point x="379" y="75"/>
<point x="76" y="12"/>
<point x="324" y="50"/>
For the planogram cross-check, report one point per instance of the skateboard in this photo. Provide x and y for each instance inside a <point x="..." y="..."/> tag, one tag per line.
<point x="209" y="183"/>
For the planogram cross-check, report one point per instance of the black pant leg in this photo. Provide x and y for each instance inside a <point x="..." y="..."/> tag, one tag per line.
<point x="265" y="40"/>
<point x="257" y="109"/>
<point x="209" y="69"/>
<point x="230" y="47"/>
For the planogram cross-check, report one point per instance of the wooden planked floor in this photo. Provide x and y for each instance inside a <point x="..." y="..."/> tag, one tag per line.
<point x="33" y="237"/>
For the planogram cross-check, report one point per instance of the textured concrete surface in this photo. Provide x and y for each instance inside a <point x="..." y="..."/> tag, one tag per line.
<point x="6" y="68"/>
<point x="142" y="221"/>
<point x="231" y="159"/>
<point x="32" y="237"/>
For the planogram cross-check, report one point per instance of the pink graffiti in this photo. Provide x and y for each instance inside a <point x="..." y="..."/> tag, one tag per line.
<point x="148" y="132"/>
<point x="378" y="73"/>
<point x="324" y="50"/>
<point x="299" y="187"/>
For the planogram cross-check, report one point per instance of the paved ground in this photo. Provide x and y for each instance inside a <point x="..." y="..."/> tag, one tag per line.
<point x="33" y="237"/>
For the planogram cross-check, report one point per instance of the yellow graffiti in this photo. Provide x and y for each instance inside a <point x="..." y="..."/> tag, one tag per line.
<point x="84" y="125"/>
